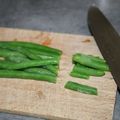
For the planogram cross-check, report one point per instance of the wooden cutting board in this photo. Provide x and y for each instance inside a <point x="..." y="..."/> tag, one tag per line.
<point x="53" y="101"/>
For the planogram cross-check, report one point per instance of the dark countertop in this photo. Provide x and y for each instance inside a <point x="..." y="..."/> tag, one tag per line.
<point x="64" y="16"/>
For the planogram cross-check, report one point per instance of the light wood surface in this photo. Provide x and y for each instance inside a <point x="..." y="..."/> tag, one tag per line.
<point x="53" y="101"/>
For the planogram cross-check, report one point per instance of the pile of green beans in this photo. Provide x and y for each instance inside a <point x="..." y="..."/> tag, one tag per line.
<point x="88" y="65"/>
<point x="29" y="60"/>
<point x="84" y="67"/>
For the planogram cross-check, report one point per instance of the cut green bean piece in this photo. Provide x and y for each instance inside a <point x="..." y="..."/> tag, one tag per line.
<point x="87" y="71"/>
<point x="26" y="75"/>
<point x="39" y="71"/>
<point x="26" y="64"/>
<point x="90" y="62"/>
<point x="81" y="88"/>
<point x="98" y="59"/>
<point x="79" y="75"/>
<point x="30" y="45"/>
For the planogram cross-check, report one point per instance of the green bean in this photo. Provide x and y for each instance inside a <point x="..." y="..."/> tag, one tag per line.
<point x="87" y="71"/>
<point x="98" y="59"/>
<point x="79" y="75"/>
<point x="26" y="64"/>
<point x="26" y="75"/>
<point x="39" y="71"/>
<point x="30" y="45"/>
<point x="53" y="68"/>
<point x="41" y="57"/>
<point x="40" y="54"/>
<point x="91" y="62"/>
<point x="36" y="56"/>
<point x="81" y="88"/>
<point x="12" y="55"/>
<point x="16" y="59"/>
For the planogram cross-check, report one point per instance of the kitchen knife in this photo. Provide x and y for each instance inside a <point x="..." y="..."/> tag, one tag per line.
<point x="107" y="39"/>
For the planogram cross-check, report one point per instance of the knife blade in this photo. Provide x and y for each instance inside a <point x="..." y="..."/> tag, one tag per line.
<point x="107" y="39"/>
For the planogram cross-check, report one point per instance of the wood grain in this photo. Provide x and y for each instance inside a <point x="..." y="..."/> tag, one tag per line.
<point x="53" y="101"/>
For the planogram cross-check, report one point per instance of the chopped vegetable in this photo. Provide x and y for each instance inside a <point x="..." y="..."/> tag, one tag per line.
<point x="80" y="69"/>
<point x="88" y="65"/>
<point x="79" y="75"/>
<point x="91" y="61"/>
<point x="81" y="88"/>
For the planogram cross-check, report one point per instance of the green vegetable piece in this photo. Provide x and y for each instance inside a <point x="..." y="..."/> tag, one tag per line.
<point x="79" y="75"/>
<point x="87" y="71"/>
<point x="26" y="75"/>
<point x="12" y="55"/>
<point x="90" y="61"/>
<point x="30" y="45"/>
<point x="53" y="68"/>
<point x="16" y="59"/>
<point x="98" y="59"/>
<point x="40" y="71"/>
<point x="39" y="54"/>
<point x="81" y="88"/>
<point x="35" y="54"/>
<point x="26" y="64"/>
